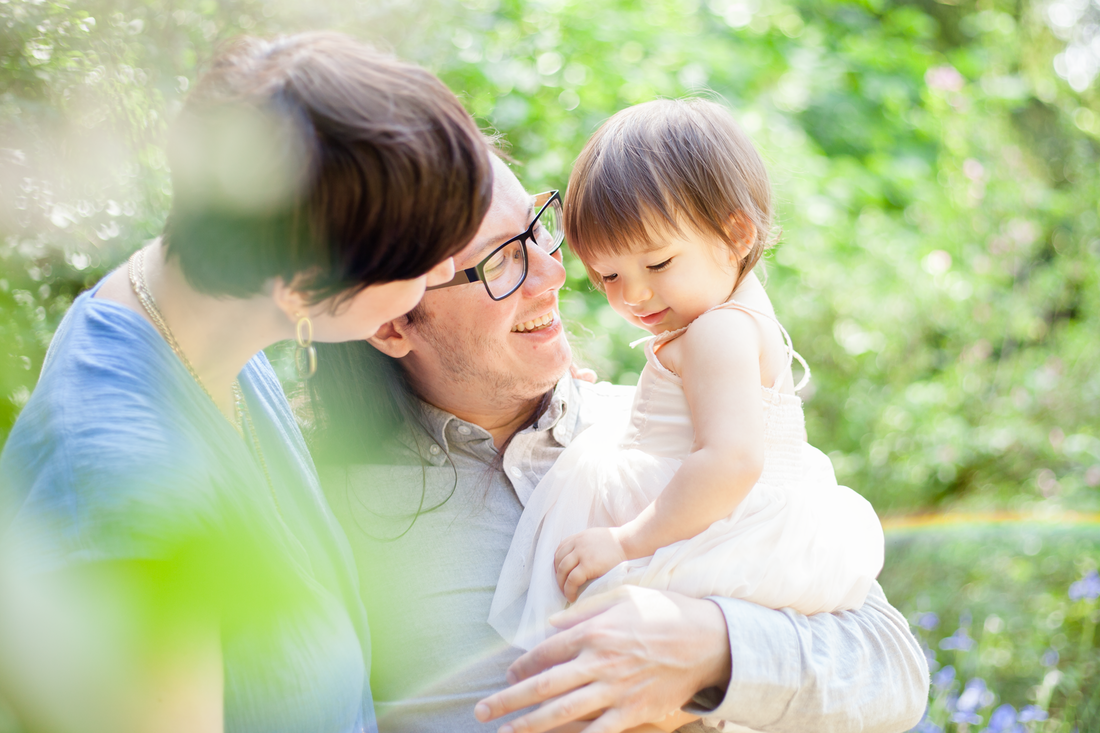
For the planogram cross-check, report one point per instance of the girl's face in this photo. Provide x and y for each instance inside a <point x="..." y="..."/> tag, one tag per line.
<point x="668" y="287"/>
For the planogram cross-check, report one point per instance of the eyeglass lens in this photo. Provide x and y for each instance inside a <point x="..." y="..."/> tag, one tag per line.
<point x="506" y="268"/>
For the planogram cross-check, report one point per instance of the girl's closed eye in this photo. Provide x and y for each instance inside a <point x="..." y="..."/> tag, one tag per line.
<point x="660" y="266"/>
<point x="609" y="278"/>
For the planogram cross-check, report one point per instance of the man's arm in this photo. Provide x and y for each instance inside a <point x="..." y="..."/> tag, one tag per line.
<point x="853" y="671"/>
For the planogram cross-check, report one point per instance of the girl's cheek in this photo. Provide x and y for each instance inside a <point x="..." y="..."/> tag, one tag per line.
<point x="614" y="298"/>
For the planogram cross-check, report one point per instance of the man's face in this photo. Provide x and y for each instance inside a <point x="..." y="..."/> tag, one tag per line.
<point x="500" y="352"/>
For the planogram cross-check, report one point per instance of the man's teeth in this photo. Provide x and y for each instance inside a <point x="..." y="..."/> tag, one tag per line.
<point x="540" y="322"/>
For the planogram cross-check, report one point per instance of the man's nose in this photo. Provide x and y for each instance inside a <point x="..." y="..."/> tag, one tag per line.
<point x="544" y="271"/>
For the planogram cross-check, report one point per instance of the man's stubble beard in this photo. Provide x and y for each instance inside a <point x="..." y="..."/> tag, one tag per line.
<point x="455" y="349"/>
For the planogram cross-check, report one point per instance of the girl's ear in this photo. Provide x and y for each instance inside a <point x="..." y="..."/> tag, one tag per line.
<point x="742" y="234"/>
<point x="392" y="339"/>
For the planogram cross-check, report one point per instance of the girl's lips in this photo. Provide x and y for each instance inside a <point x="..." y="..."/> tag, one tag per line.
<point x="652" y="319"/>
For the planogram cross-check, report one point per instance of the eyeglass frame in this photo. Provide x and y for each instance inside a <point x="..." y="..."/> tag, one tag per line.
<point x="477" y="272"/>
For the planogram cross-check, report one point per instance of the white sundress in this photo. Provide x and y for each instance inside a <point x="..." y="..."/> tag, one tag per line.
<point x="797" y="540"/>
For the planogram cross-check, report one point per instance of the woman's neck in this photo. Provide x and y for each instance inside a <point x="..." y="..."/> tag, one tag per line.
<point x="217" y="335"/>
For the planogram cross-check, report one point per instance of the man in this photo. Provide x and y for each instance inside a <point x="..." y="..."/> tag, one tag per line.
<point x="431" y="520"/>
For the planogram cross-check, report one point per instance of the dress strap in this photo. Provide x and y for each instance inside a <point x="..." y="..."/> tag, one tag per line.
<point x="791" y="353"/>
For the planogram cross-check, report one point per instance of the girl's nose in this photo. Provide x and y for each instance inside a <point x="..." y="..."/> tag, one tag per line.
<point x="636" y="294"/>
<point x="444" y="272"/>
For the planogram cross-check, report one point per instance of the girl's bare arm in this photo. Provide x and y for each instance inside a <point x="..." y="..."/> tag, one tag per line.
<point x="718" y="359"/>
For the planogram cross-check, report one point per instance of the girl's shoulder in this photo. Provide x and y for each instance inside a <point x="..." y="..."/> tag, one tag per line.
<point x="743" y="326"/>
<point x="714" y="334"/>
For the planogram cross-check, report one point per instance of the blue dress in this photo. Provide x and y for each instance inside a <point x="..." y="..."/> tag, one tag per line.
<point x="120" y="457"/>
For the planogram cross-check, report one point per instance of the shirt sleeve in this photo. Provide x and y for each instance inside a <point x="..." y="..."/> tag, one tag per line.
<point x="859" y="670"/>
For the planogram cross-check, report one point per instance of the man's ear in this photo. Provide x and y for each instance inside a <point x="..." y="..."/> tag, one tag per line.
<point x="392" y="339"/>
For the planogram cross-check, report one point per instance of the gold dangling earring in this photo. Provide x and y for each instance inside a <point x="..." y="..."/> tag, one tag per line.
<point x="306" y="351"/>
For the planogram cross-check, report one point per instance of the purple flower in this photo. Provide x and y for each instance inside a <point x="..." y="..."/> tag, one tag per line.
<point x="959" y="640"/>
<point x="1050" y="658"/>
<point x="1087" y="587"/>
<point x="930" y="657"/>
<point x="1003" y="720"/>
<point x="1032" y="712"/>
<point x="975" y="695"/>
<point x="944" y="677"/>
<point x="963" y="716"/>
<point x="928" y="621"/>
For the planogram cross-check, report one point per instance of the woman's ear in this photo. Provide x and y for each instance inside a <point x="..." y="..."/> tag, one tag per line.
<point x="289" y="300"/>
<point x="392" y="338"/>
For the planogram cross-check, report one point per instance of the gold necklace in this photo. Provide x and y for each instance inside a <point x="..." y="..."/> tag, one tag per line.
<point x="243" y="417"/>
<point x="141" y="290"/>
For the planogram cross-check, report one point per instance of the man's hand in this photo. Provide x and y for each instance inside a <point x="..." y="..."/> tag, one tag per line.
<point x="586" y="556"/>
<point x="629" y="656"/>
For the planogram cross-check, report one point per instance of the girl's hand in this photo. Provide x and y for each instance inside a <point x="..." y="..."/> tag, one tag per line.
<point x="586" y="556"/>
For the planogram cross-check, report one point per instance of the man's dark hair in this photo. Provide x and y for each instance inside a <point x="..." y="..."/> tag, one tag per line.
<point x="322" y="161"/>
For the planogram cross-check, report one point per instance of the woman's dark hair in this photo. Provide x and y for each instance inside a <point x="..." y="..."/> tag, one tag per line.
<point x="322" y="161"/>
<point x="360" y="401"/>
<point x="361" y="407"/>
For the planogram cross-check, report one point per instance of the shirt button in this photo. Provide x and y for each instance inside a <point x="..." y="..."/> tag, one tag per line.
<point x="463" y="430"/>
<point x="516" y="473"/>
<point x="434" y="450"/>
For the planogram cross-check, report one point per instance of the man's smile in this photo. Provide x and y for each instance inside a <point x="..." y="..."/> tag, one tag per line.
<point x="535" y="324"/>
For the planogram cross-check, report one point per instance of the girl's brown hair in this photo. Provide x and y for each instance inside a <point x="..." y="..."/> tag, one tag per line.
<point x="664" y="165"/>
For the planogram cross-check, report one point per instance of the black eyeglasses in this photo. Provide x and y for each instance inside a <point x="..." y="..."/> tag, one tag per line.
<point x="505" y="269"/>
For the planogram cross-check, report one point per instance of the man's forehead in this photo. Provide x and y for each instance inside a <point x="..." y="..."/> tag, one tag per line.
<point x="508" y="215"/>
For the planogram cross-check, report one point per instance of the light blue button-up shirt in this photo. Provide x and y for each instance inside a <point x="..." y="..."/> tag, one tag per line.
<point x="428" y="585"/>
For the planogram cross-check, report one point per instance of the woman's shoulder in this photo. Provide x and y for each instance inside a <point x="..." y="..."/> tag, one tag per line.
<point x="99" y="341"/>
<point x="106" y="372"/>
<point x="106" y="451"/>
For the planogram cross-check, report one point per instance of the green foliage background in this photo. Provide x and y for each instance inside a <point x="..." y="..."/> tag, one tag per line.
<point x="938" y="265"/>
<point x="938" y="188"/>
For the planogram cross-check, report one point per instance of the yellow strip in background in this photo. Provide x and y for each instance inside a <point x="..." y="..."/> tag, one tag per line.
<point x="948" y="519"/>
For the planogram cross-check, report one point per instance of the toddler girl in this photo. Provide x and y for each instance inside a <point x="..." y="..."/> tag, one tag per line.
<point x="710" y="487"/>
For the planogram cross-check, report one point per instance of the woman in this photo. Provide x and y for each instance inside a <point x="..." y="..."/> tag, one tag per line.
<point x="167" y="560"/>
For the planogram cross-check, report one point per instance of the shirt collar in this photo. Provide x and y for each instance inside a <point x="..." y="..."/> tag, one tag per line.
<point x="444" y="430"/>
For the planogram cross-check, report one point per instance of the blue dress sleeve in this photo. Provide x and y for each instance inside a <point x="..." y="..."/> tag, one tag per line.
<point x="92" y="471"/>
